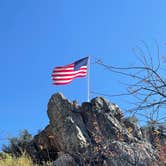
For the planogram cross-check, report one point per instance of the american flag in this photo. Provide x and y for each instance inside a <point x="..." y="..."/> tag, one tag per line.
<point x="62" y="75"/>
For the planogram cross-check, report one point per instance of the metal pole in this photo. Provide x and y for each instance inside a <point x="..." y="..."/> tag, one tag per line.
<point x="88" y="79"/>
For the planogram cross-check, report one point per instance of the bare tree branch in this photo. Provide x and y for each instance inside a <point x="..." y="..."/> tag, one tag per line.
<point x="147" y="85"/>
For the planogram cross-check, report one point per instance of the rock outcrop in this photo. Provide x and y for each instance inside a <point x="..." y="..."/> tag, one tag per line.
<point x="95" y="133"/>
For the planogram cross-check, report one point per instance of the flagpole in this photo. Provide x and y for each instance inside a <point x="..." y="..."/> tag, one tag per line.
<point x="88" y="88"/>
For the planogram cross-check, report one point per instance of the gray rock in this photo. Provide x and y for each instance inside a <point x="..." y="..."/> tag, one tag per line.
<point x="133" y="126"/>
<point x="64" y="160"/>
<point x="91" y="134"/>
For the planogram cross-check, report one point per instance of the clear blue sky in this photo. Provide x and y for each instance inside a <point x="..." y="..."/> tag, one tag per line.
<point x="36" y="35"/>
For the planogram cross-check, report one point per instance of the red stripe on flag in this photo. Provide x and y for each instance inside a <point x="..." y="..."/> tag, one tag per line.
<point x="62" y="75"/>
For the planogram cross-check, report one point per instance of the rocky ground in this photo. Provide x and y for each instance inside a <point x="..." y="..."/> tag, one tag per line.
<point x="95" y="133"/>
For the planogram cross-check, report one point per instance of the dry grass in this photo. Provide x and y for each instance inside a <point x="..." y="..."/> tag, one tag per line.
<point x="24" y="160"/>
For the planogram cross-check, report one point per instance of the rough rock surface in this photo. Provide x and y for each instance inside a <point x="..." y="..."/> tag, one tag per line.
<point x="94" y="133"/>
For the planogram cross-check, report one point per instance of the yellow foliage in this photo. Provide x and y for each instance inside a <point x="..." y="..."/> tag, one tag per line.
<point x="156" y="132"/>
<point x="129" y="130"/>
<point x="8" y="160"/>
<point x="24" y="160"/>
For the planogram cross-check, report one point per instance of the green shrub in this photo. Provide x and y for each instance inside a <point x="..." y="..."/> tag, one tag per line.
<point x="17" y="145"/>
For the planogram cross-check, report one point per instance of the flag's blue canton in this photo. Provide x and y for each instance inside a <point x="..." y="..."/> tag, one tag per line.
<point x="79" y="63"/>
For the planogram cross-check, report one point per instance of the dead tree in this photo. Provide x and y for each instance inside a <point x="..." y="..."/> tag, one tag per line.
<point x="148" y="84"/>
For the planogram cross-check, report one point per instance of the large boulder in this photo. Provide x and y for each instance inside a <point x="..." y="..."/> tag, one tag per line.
<point x="94" y="133"/>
